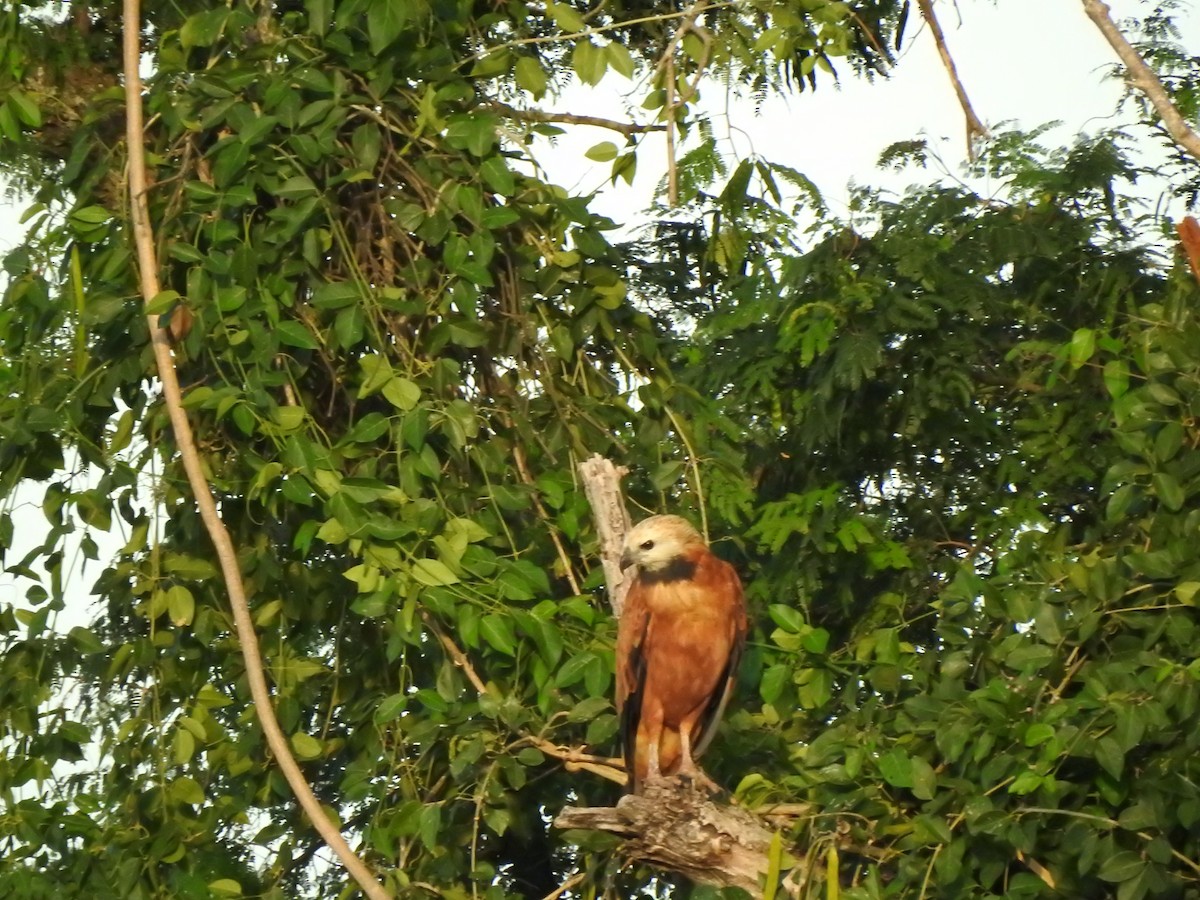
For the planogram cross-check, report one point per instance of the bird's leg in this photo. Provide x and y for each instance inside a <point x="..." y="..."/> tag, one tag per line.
<point x="652" y="767"/>
<point x="687" y="765"/>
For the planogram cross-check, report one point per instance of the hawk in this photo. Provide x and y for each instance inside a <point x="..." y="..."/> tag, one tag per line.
<point x="679" y="640"/>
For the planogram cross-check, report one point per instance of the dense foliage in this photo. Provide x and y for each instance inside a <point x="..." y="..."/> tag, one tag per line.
<point x="950" y="442"/>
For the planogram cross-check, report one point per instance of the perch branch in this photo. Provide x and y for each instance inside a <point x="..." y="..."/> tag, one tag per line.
<point x="677" y="827"/>
<point x="223" y="543"/>
<point x="975" y="127"/>
<point x="1142" y="77"/>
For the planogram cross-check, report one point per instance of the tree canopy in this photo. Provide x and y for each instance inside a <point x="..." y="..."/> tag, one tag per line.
<point x="948" y="438"/>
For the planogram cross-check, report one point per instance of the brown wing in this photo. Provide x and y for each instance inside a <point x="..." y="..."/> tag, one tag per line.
<point x="631" y="672"/>
<point x="720" y="578"/>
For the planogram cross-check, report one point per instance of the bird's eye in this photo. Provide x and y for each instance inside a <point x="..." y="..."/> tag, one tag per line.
<point x="647" y="545"/>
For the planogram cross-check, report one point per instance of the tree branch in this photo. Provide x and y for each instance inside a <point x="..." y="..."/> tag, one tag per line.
<point x="173" y="399"/>
<point x="536" y="115"/>
<point x="975" y="127"/>
<point x="1143" y="78"/>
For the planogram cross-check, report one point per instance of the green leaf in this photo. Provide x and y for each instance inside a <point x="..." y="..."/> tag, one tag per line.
<point x="296" y="187"/>
<point x="498" y="175"/>
<point x="619" y="58"/>
<point x="336" y="294"/>
<point x="1169" y="491"/>
<point x="1121" y="866"/>
<point x="181" y="605"/>
<point x="386" y="21"/>
<point x="1116" y="377"/>
<point x="530" y="76"/>
<point x="589" y="61"/>
<point x="294" y="334"/>
<point x="402" y="393"/>
<point x="187" y="790"/>
<point x="565" y="17"/>
<point x="1110" y="756"/>
<point x="897" y="768"/>
<point x="433" y="573"/>
<point x="390" y="708"/>
<point x="604" y="151"/>
<point x="203" y="29"/>
<point x="305" y="746"/>
<point x="320" y="12"/>
<point x="924" y="779"/>
<point x="588" y="709"/>
<point x="498" y="632"/>
<point x="25" y="109"/>
<point x="1038" y="733"/>
<point x="1083" y="345"/>
<point x="788" y="618"/>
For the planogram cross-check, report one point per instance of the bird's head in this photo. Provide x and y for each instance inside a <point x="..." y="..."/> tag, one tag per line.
<point x="657" y="542"/>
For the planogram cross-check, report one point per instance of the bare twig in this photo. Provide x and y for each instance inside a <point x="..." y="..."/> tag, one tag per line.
<point x="666" y="68"/>
<point x="975" y="127"/>
<point x="1142" y="77"/>
<point x="459" y="658"/>
<point x="536" y="115"/>
<point x="173" y="399"/>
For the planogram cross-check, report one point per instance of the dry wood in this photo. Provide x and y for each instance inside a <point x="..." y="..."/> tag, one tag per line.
<point x="675" y="826"/>
<point x="226" y="553"/>
<point x="602" y="485"/>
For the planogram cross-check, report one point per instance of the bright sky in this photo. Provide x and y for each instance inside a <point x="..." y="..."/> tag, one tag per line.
<point x="1023" y="61"/>
<point x="1031" y="61"/>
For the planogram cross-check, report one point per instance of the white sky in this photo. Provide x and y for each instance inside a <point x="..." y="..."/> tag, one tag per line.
<point x="1023" y="61"/>
<point x="1031" y="61"/>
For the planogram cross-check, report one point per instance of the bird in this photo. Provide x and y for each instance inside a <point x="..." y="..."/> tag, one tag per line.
<point x="679" y="640"/>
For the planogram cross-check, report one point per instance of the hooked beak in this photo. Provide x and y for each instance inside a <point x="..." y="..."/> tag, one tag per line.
<point x="626" y="560"/>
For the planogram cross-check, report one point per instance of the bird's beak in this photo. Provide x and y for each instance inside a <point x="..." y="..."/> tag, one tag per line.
<point x="626" y="560"/>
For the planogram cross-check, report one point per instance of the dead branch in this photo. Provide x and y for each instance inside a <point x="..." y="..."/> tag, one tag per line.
<point x="536" y="115"/>
<point x="975" y="127"/>
<point x="602" y="485"/>
<point x="675" y="826"/>
<point x="223" y="543"/>
<point x="1142" y="77"/>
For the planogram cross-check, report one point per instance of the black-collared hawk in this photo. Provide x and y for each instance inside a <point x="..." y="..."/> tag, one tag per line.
<point x="679" y="640"/>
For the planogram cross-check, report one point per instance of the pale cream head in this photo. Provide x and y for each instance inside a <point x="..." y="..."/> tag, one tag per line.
<point x="656" y="542"/>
